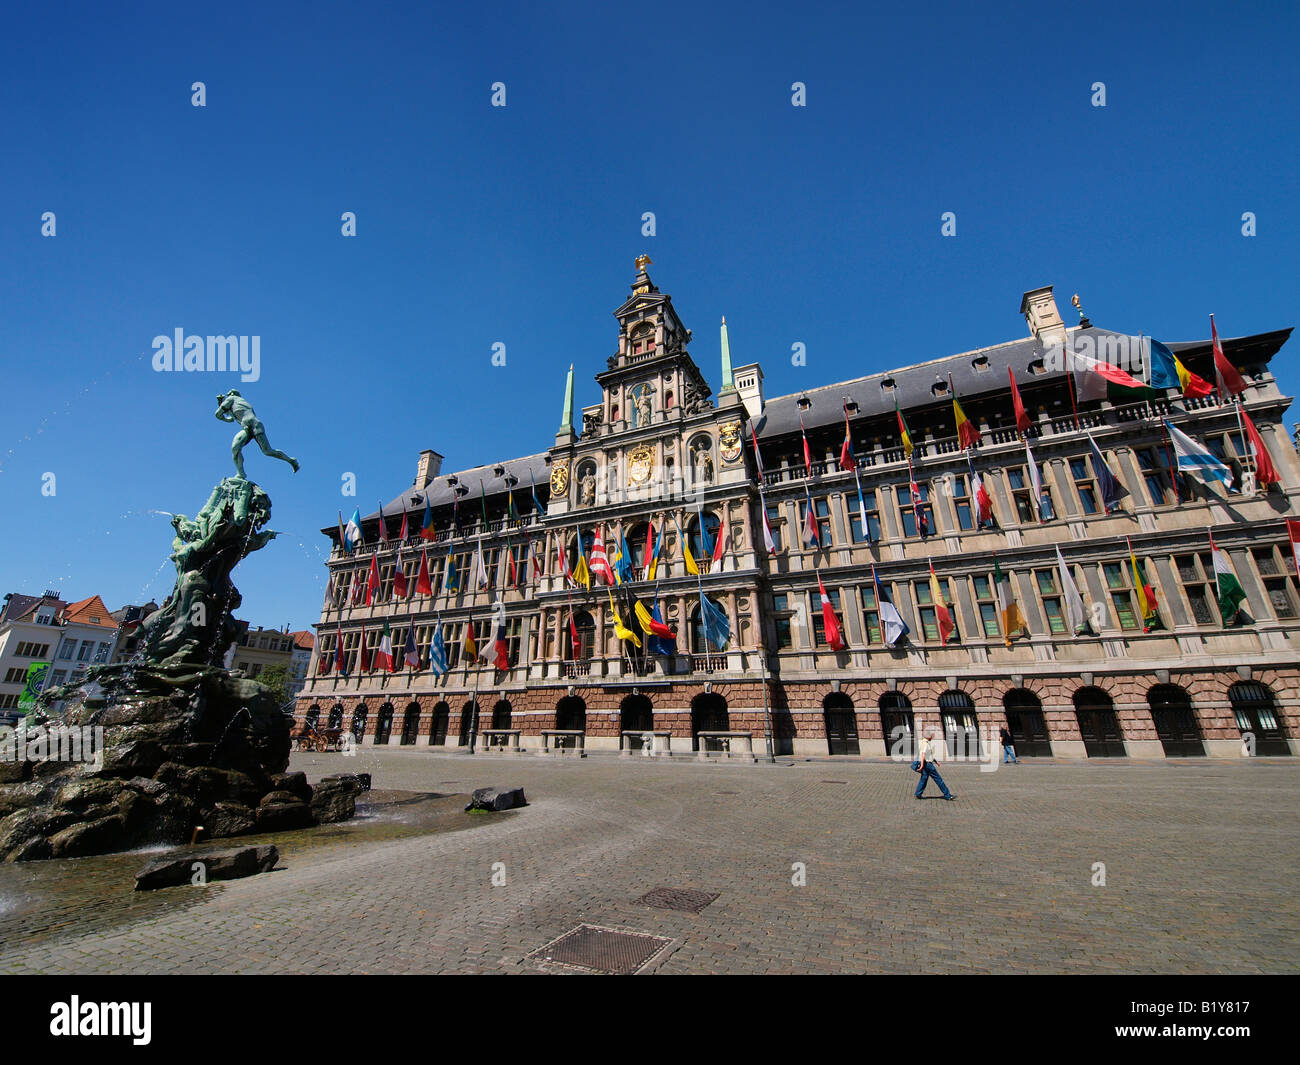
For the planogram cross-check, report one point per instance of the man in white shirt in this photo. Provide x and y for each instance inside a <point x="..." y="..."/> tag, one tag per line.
<point x="930" y="766"/>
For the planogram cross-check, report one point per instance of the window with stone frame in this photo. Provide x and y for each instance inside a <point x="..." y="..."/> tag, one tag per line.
<point x="519" y="553"/>
<point x="776" y="519"/>
<point x="1230" y="449"/>
<point x="1048" y="584"/>
<point x="17" y="675"/>
<point x="66" y="648"/>
<point x="1154" y="464"/>
<point x="1196" y="574"/>
<point x="1022" y="495"/>
<point x="1277" y="572"/>
<point x="821" y="515"/>
<point x="986" y="605"/>
<point x="782" y="619"/>
<point x="1119" y="584"/>
<point x="870" y="614"/>
<point x="962" y="502"/>
<point x="870" y="504"/>
<point x="908" y="512"/>
<point x="925" y="610"/>
<point x="819" y="618"/>
<point x="1085" y="485"/>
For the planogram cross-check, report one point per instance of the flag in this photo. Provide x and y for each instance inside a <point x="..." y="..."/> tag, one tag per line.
<point x="365" y="665"/>
<point x="1230" y="382"/>
<point x="384" y="652"/>
<point x="1111" y="489"/>
<point x="830" y="622"/>
<point x="405" y="531"/>
<point x="758" y="455"/>
<point x="323" y="663"/>
<point x="1167" y="371"/>
<point x="352" y="533"/>
<point x="581" y="574"/>
<point x="383" y="526"/>
<point x="621" y="630"/>
<point x="1226" y="586"/>
<point x="511" y="510"/>
<point x="862" y="508"/>
<point x="343" y="535"/>
<point x="410" y="653"/>
<point x="451" y="579"/>
<point x="810" y="530"/>
<point x="650" y="550"/>
<point x="1013" y="620"/>
<point x="905" y="438"/>
<point x="502" y="645"/>
<point x="847" y="461"/>
<point x="340" y="656"/>
<point x="1101" y="380"/>
<point x="1074" y="611"/>
<point x="922" y="522"/>
<point x="942" y="614"/>
<point x="471" y="644"/>
<point x="532" y="487"/>
<point x="1265" y="472"/>
<point x="1145" y="593"/>
<point x="1017" y="404"/>
<point x="422" y="583"/>
<point x="1196" y="459"/>
<point x="482" y="502"/>
<point x="967" y="434"/>
<point x="983" y="504"/>
<point x="372" y="582"/>
<point x="807" y="453"/>
<point x="768" y="541"/>
<point x="657" y="644"/>
<point x="691" y="567"/>
<point x="1293" y="534"/>
<point x="426" y="527"/>
<point x="599" y="563"/>
<point x="623" y="563"/>
<point x="713" y="624"/>
<point x="329" y="598"/>
<point x="400" y="589"/>
<point x="573" y="636"/>
<point x="892" y="624"/>
<point x="480" y="567"/>
<point x="438" y="651"/>
<point x="706" y="542"/>
<point x="720" y="543"/>
<point x="1041" y="505"/>
<point x="650" y="624"/>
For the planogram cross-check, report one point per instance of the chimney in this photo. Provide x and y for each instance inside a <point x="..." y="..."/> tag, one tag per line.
<point x="1039" y="308"/>
<point x="427" y="469"/>
<point x="749" y="383"/>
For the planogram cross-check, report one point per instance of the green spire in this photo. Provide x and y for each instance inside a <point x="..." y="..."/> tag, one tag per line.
<point x="728" y="381"/>
<point x="566" y="419"/>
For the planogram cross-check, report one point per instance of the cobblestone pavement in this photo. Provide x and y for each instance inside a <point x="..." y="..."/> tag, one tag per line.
<point x="1200" y="860"/>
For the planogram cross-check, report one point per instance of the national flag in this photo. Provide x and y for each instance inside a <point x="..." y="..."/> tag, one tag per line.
<point x="862" y="508"/>
<point x="372" y="582"/>
<point x="340" y="655"/>
<point x="1167" y="371"/>
<point x="471" y="644"/>
<point x="581" y="573"/>
<point x="512" y="568"/>
<point x="423" y="586"/>
<point x="501" y="644"/>
<point x="768" y="541"/>
<point x="1101" y="380"/>
<point x="536" y="561"/>
<point x="905" y="438"/>
<point x="651" y="625"/>
<point x="847" y="461"/>
<point x="623" y="571"/>
<point x="1041" y="504"/>
<point x="1227" y="588"/>
<point x="706" y="541"/>
<point x="621" y="630"/>
<point x="404" y="534"/>
<point x="1293" y="534"/>
<point x="1013" y="619"/>
<point x="411" y="653"/>
<point x="1145" y="593"/>
<point x="426" y="527"/>
<point x="384" y="653"/>
<point x="1112" y="491"/>
<point x="352" y="532"/>
<point x="1226" y="376"/>
<point x="365" y="664"/>
<point x="438" y="651"/>
<point x="343" y="535"/>
<point x="983" y="504"/>
<point x="537" y="504"/>
<point x="918" y="511"/>
<point x="1196" y="459"/>
<point x="511" y="510"/>
<point x="480" y="567"/>
<point x="967" y="434"/>
<point x="451" y="578"/>
<point x="400" y="589"/>
<point x="810" y="531"/>
<point x="329" y="598"/>
<point x="599" y="563"/>
<point x="1074" y="611"/>
<point x="656" y="644"/>
<point x="713" y="624"/>
<point x="651" y="551"/>
<point x="692" y="567"/>
<point x="383" y="526"/>
<point x="720" y="543"/>
<point x="942" y="615"/>
<point x="1265" y="472"/>
<point x="358" y="587"/>
<point x="807" y="452"/>
<point x="831" y="624"/>
<point x="892" y="624"/>
<point x="1017" y="404"/>
<point x="323" y="663"/>
<point x="574" y="640"/>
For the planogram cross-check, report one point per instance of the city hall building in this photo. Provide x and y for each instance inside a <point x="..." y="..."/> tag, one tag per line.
<point x="659" y="453"/>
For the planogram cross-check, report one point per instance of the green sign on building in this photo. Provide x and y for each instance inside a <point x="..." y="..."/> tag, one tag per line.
<point x="32" y="688"/>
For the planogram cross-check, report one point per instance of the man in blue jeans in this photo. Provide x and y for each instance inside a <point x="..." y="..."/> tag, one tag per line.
<point x="930" y="767"/>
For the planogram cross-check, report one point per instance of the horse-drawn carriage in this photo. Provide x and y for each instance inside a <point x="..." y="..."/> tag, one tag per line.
<point x="310" y="737"/>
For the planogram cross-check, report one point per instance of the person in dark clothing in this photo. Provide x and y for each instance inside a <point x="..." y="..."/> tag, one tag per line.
<point x="1008" y="749"/>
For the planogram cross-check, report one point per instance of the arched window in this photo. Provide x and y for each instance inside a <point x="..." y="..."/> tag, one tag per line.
<point x="336" y="716"/>
<point x="410" y="724"/>
<point x="571" y="714"/>
<point x="586" y="627"/>
<point x="384" y="726"/>
<point x="709" y="714"/>
<point x="960" y="724"/>
<point x="1098" y="724"/>
<point x="1171" y="711"/>
<point x="636" y="715"/>
<point x="700" y="644"/>
<point x="841" y="724"/>
<point x="438" y="727"/>
<point x="501" y="714"/>
<point x="359" y="716"/>
<point x="896" y="724"/>
<point x="313" y="717"/>
<point x="636" y="537"/>
<point x="467" y="714"/>
<point x="702" y="547"/>
<point x="1256" y="714"/>
<point x="642" y="339"/>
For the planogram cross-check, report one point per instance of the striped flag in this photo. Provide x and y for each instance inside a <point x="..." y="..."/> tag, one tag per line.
<point x="1167" y="371"/>
<point x="942" y="615"/>
<point x="340" y="656"/>
<point x="1074" y="611"/>
<point x="480" y="567"/>
<point x="405" y="532"/>
<point x="1112" y="491"/>
<point x="438" y="651"/>
<point x="983" y="503"/>
<point x="834" y="636"/>
<point x="810" y="532"/>
<point x="426" y="526"/>
<point x="1013" y="619"/>
<point x="399" y="576"/>
<point x="862" y="508"/>
<point x="599" y="563"/>
<point x="352" y="532"/>
<point x="847" y="461"/>
<point x="1041" y="504"/>
<point x="621" y="630"/>
<point x="692" y="567"/>
<point x="720" y="543"/>
<point x="384" y="652"/>
<point x="364" y="665"/>
<point x="372" y="582"/>
<point x="1230" y="382"/>
<point x="967" y="434"/>
<point x="904" y="437"/>
<point x="410" y="653"/>
<point x="471" y="644"/>
<point x="501" y="645"/>
<point x="758" y="455"/>
<point x="1194" y="458"/>
<point x="807" y="452"/>
<point x="1146" y="594"/>
<point x="651" y="625"/>
<point x="574" y="641"/>
<point x="1227" y="588"/>
<point x="383" y="526"/>
<point x="1098" y="380"/>
<point x="768" y="541"/>
<point x="892" y="624"/>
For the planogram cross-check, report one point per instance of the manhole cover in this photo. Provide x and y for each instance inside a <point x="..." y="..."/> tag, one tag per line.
<point x="602" y="950"/>
<point x="666" y="898"/>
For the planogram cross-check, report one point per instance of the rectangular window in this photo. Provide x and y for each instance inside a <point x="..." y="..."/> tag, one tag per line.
<point x="101" y="653"/>
<point x="1081" y="471"/>
<point x="872" y="532"/>
<point x="926" y="611"/>
<point x="781" y="614"/>
<point x="16" y="675"/>
<point x="986" y="605"/>
<point x="822" y="515"/>
<point x="1276" y="567"/>
<point x="907" y="512"/>
<point x="66" y="648"/>
<point x="961" y="501"/>
<point x="1049" y="594"/>
<point x="819" y="619"/>
<point x="870" y="614"/>
<point x="1196" y="573"/>
<point x="1119" y="577"/>
<point x="59" y="676"/>
<point x="1022" y="492"/>
<point x="777" y="522"/>
<point x="1155" y="472"/>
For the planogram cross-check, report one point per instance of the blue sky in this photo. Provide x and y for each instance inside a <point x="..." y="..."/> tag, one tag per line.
<point x="518" y="225"/>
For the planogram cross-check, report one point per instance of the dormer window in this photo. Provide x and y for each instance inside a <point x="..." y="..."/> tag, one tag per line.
<point x="981" y="363"/>
<point x="1037" y="367"/>
<point x="851" y="406"/>
<point x="804" y="403"/>
<point x="888" y="385"/>
<point x="939" y="388"/>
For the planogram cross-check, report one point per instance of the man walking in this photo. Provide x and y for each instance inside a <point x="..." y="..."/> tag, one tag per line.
<point x="929" y="767"/>
<point x="1008" y="748"/>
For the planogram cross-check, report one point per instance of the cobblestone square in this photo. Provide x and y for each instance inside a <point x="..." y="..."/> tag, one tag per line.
<point x="1199" y="856"/>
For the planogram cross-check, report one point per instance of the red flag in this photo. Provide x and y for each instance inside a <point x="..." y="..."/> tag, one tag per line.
<point x="599" y="563"/>
<point x="1229" y="380"/>
<point x="942" y="615"/>
<point x="403" y="534"/>
<point x="514" y="572"/>
<point x="340" y="663"/>
<point x="1022" y="415"/>
<point x="1265" y="471"/>
<point x="649" y="546"/>
<point x="831" y="623"/>
<point x="365" y="652"/>
<point x="718" y="543"/>
<point x="399" y="577"/>
<point x="422" y="584"/>
<point x="1293" y="532"/>
<point x="573" y="637"/>
<point x="807" y="452"/>
<point x="372" y="583"/>
<point x="810" y="523"/>
<point x="847" y="462"/>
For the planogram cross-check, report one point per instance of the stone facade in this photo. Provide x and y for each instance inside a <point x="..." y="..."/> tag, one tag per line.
<point x="661" y="449"/>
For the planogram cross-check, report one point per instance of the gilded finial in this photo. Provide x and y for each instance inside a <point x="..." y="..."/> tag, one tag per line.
<point x="642" y="261"/>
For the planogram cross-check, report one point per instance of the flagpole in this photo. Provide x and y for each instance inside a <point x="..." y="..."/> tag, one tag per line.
<point x="1248" y="456"/>
<point x="1173" y="462"/>
<point x="1069" y="381"/>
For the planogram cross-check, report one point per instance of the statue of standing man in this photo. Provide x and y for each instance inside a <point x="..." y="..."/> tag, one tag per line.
<point x="232" y="407"/>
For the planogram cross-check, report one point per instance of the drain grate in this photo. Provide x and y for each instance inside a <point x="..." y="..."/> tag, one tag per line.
<point x="602" y="950"/>
<point x="666" y="898"/>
